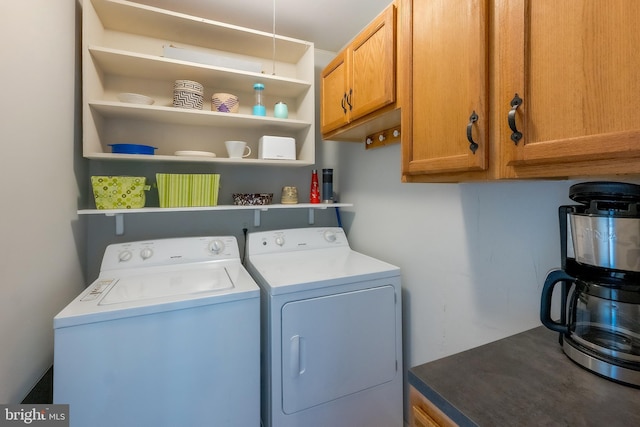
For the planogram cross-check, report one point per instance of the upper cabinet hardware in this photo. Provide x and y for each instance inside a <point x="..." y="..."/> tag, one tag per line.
<point x="473" y="146"/>
<point x="516" y="136"/>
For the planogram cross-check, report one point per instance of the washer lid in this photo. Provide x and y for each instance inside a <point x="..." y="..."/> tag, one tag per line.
<point x="129" y="293"/>
<point x="167" y="284"/>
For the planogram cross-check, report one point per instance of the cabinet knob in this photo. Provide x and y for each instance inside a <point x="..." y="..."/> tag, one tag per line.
<point x="516" y="136"/>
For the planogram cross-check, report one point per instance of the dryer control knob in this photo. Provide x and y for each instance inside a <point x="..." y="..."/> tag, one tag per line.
<point x="146" y="253"/>
<point x="280" y="241"/>
<point x="124" y="256"/>
<point x="216" y="246"/>
<point x="329" y="236"/>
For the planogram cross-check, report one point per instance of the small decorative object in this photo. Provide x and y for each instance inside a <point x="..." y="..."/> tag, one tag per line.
<point x="252" y="199"/>
<point x="289" y="195"/>
<point x="224" y="103"/>
<point x="314" y="194"/>
<point x="187" y="94"/>
<point x="258" y="108"/>
<point x="280" y="110"/>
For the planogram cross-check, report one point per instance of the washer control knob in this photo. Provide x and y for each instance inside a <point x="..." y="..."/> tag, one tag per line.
<point x="280" y="240"/>
<point x="124" y="256"/>
<point x="146" y="253"/>
<point x="330" y="236"/>
<point x="216" y="246"/>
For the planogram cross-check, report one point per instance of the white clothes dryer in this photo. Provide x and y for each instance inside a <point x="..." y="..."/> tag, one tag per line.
<point x="331" y="331"/>
<point x="168" y="335"/>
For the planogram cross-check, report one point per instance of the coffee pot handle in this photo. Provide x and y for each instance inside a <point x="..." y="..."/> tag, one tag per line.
<point x="545" y="304"/>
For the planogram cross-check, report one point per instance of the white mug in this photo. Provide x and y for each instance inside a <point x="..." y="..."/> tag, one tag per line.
<point x="237" y="149"/>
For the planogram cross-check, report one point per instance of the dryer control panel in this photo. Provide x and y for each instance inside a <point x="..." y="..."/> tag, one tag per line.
<point x="174" y="251"/>
<point x="296" y="239"/>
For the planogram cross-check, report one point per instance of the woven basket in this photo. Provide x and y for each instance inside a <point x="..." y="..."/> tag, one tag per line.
<point x="187" y="94"/>
<point x="225" y="103"/>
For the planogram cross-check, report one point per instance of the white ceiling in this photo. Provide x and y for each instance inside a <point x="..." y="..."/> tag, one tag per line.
<point x="329" y="24"/>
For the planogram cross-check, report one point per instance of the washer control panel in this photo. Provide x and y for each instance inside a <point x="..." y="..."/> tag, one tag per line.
<point x="174" y="251"/>
<point x="296" y="239"/>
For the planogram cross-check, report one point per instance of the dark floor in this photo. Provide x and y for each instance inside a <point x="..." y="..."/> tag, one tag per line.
<point x="43" y="391"/>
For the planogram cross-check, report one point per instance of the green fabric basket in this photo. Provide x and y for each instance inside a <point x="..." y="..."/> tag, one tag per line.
<point x="119" y="192"/>
<point x="187" y="190"/>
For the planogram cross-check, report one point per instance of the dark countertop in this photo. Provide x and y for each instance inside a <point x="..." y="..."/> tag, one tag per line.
<point x="524" y="380"/>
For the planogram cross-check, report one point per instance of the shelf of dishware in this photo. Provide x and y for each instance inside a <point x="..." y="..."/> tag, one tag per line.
<point x="124" y="52"/>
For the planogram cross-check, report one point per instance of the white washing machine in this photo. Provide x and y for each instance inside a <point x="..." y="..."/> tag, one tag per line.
<point x="168" y="335"/>
<point x="331" y="331"/>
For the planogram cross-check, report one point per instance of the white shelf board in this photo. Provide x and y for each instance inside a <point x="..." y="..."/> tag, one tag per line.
<point x="183" y="116"/>
<point x="119" y="213"/>
<point x="119" y="62"/>
<point x="196" y="159"/>
<point x="153" y="22"/>
<point x="110" y="212"/>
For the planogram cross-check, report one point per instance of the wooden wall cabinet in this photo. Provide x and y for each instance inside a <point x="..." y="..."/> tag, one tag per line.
<point x="575" y="67"/>
<point x="361" y="81"/>
<point x="423" y="413"/>
<point x="445" y="120"/>
<point x="572" y="67"/>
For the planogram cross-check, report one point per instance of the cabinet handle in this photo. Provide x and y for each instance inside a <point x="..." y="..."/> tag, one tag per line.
<point x="473" y="146"/>
<point x="344" y="99"/>
<point x="349" y="99"/>
<point x="516" y="136"/>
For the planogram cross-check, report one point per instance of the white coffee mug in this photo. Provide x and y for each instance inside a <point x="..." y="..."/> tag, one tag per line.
<point x="237" y="149"/>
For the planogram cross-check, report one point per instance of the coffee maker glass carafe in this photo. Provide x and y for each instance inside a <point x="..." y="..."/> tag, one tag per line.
<point x="600" y="280"/>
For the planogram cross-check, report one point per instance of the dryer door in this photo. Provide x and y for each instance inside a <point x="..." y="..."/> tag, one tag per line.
<point x="336" y="345"/>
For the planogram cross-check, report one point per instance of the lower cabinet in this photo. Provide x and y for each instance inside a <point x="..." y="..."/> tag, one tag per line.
<point x="423" y="413"/>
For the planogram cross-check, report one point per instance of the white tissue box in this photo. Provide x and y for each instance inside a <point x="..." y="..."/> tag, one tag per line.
<point x="277" y="148"/>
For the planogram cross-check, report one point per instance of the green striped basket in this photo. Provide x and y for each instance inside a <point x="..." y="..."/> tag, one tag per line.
<point x="187" y="190"/>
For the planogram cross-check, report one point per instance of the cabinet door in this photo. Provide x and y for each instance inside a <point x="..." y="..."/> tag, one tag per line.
<point x="372" y="82"/>
<point x="575" y="67"/>
<point x="448" y="86"/>
<point x="333" y="108"/>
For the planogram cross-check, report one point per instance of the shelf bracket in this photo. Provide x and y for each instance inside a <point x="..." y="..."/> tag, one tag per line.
<point x="256" y="218"/>
<point x="119" y="218"/>
<point x="311" y="216"/>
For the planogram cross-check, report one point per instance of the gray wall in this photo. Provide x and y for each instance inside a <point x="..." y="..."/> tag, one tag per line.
<point x="42" y="241"/>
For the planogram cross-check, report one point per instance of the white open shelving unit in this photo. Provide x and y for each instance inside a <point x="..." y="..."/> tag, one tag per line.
<point x="122" y="50"/>
<point x="123" y="46"/>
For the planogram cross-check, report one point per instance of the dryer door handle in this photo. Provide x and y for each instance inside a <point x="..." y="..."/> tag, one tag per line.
<point x="297" y="352"/>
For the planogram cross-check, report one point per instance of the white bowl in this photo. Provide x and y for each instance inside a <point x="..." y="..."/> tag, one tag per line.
<point x="135" y="98"/>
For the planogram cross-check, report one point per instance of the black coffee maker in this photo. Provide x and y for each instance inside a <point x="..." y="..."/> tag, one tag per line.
<point x="599" y="321"/>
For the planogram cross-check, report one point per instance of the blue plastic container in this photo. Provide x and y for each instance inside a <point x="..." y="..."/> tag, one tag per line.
<point x="132" y="149"/>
